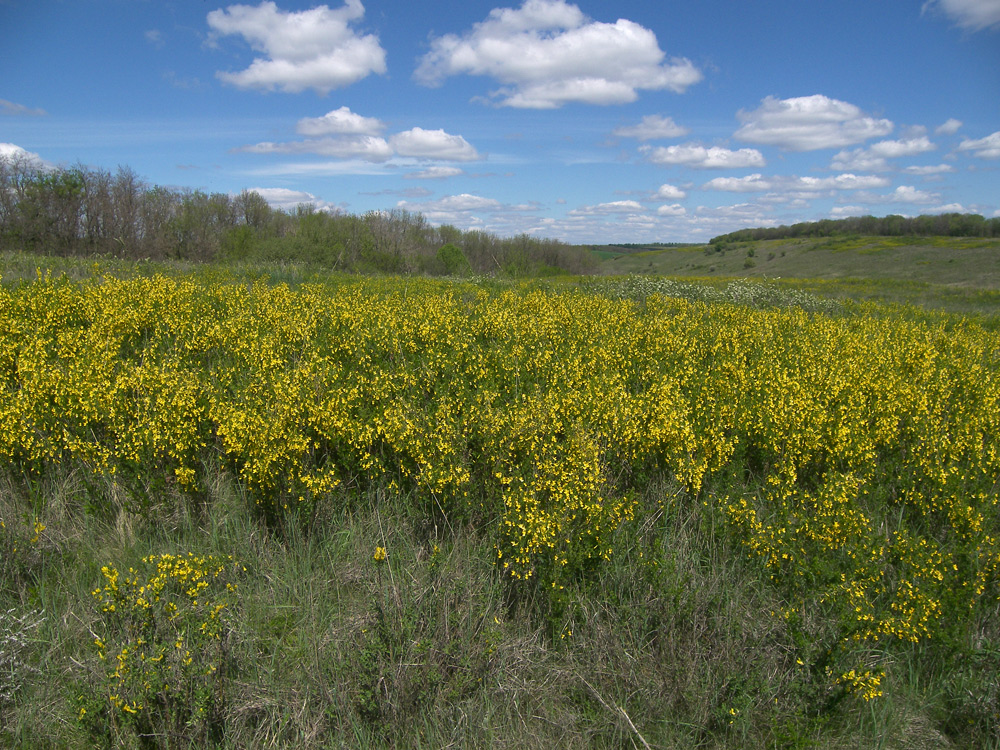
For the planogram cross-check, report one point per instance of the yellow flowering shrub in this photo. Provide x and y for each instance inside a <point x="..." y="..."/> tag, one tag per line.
<point x="855" y="454"/>
<point x="163" y="645"/>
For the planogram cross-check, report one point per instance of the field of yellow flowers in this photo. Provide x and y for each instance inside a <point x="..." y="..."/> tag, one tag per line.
<point x="854" y="456"/>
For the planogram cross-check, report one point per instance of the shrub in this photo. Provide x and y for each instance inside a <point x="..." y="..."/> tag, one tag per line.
<point x="164" y="649"/>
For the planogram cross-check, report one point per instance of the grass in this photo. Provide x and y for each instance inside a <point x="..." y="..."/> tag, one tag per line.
<point x="672" y="644"/>
<point x="949" y="271"/>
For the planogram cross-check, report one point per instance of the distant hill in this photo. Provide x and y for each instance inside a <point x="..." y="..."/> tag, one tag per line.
<point x="893" y="225"/>
<point x="972" y="262"/>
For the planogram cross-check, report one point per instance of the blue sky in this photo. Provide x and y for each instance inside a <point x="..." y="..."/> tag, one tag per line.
<point x="634" y="121"/>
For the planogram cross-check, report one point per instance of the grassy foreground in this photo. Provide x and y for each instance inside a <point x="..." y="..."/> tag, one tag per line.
<point x="403" y="513"/>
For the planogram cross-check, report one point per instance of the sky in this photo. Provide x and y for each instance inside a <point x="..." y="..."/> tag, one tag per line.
<point x="589" y="122"/>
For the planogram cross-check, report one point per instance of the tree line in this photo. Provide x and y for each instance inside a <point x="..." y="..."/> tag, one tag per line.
<point x="82" y="211"/>
<point x="948" y="225"/>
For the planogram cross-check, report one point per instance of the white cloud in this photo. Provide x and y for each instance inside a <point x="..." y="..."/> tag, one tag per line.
<point x="324" y="168"/>
<point x="286" y="200"/>
<point x="346" y="141"/>
<point x="902" y="194"/>
<point x="651" y="127"/>
<point x="433" y="144"/>
<point x="699" y="157"/>
<point x="808" y="123"/>
<point x="873" y="158"/>
<point x="14" y="153"/>
<point x="984" y="148"/>
<point x="12" y="108"/>
<point x="909" y="194"/>
<point x="675" y="209"/>
<point x="748" y="213"/>
<point x="339" y="122"/>
<point x="859" y="160"/>
<point x="366" y="147"/>
<point x="548" y="53"/>
<point x="669" y="192"/>
<point x="948" y="127"/>
<point x="930" y="170"/>
<point x="434" y="173"/>
<point x="748" y="184"/>
<point x="614" y="207"/>
<point x="839" y="182"/>
<point x="465" y="209"/>
<point x="792" y="186"/>
<point x="895" y="149"/>
<point x="313" y="48"/>
<point x="948" y="208"/>
<point x="970" y="14"/>
<point x="839" y="212"/>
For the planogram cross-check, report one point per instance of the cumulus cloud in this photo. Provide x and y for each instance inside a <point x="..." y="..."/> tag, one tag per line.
<point x="669" y="192"/>
<point x="747" y="213"/>
<point x="434" y="173"/>
<point x="675" y="209"/>
<point x="750" y="183"/>
<point x="652" y="127"/>
<point x="948" y="208"/>
<point x="809" y="123"/>
<point x="286" y="200"/>
<point x="547" y="53"/>
<point x="344" y="134"/>
<point x="339" y="122"/>
<point x="838" y="212"/>
<point x="908" y="147"/>
<point x="873" y="158"/>
<point x="366" y="147"/>
<point x="311" y="49"/>
<point x="902" y="194"/>
<point x="930" y="170"/>
<point x="984" y="148"/>
<point x="909" y="194"/>
<point x="699" y="157"/>
<point x="433" y="144"/>
<point x="12" y="108"/>
<point x="948" y="127"/>
<point x="792" y="185"/>
<point x="14" y="153"/>
<point x="859" y="160"/>
<point x="969" y="14"/>
<point x="464" y="209"/>
<point x="838" y="182"/>
<point x="614" y="207"/>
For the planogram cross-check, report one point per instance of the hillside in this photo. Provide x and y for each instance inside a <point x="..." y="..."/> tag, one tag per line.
<point x="956" y="261"/>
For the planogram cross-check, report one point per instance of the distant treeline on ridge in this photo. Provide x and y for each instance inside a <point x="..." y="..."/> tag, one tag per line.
<point x="947" y="225"/>
<point x="82" y="212"/>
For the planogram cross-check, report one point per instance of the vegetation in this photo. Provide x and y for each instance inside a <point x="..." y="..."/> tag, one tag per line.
<point x="960" y="273"/>
<point x="553" y="513"/>
<point x="941" y="225"/>
<point x="86" y="212"/>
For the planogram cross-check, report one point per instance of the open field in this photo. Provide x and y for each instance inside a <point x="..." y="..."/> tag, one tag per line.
<point x="397" y="512"/>
<point x="901" y="269"/>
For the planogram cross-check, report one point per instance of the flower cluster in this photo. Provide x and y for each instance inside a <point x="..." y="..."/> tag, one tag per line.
<point x="870" y="441"/>
<point x="164" y="639"/>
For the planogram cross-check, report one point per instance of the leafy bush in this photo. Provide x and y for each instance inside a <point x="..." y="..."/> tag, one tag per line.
<point x="164" y="649"/>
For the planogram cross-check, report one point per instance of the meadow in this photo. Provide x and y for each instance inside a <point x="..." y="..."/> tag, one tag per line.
<point x="959" y="274"/>
<point x="277" y="507"/>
